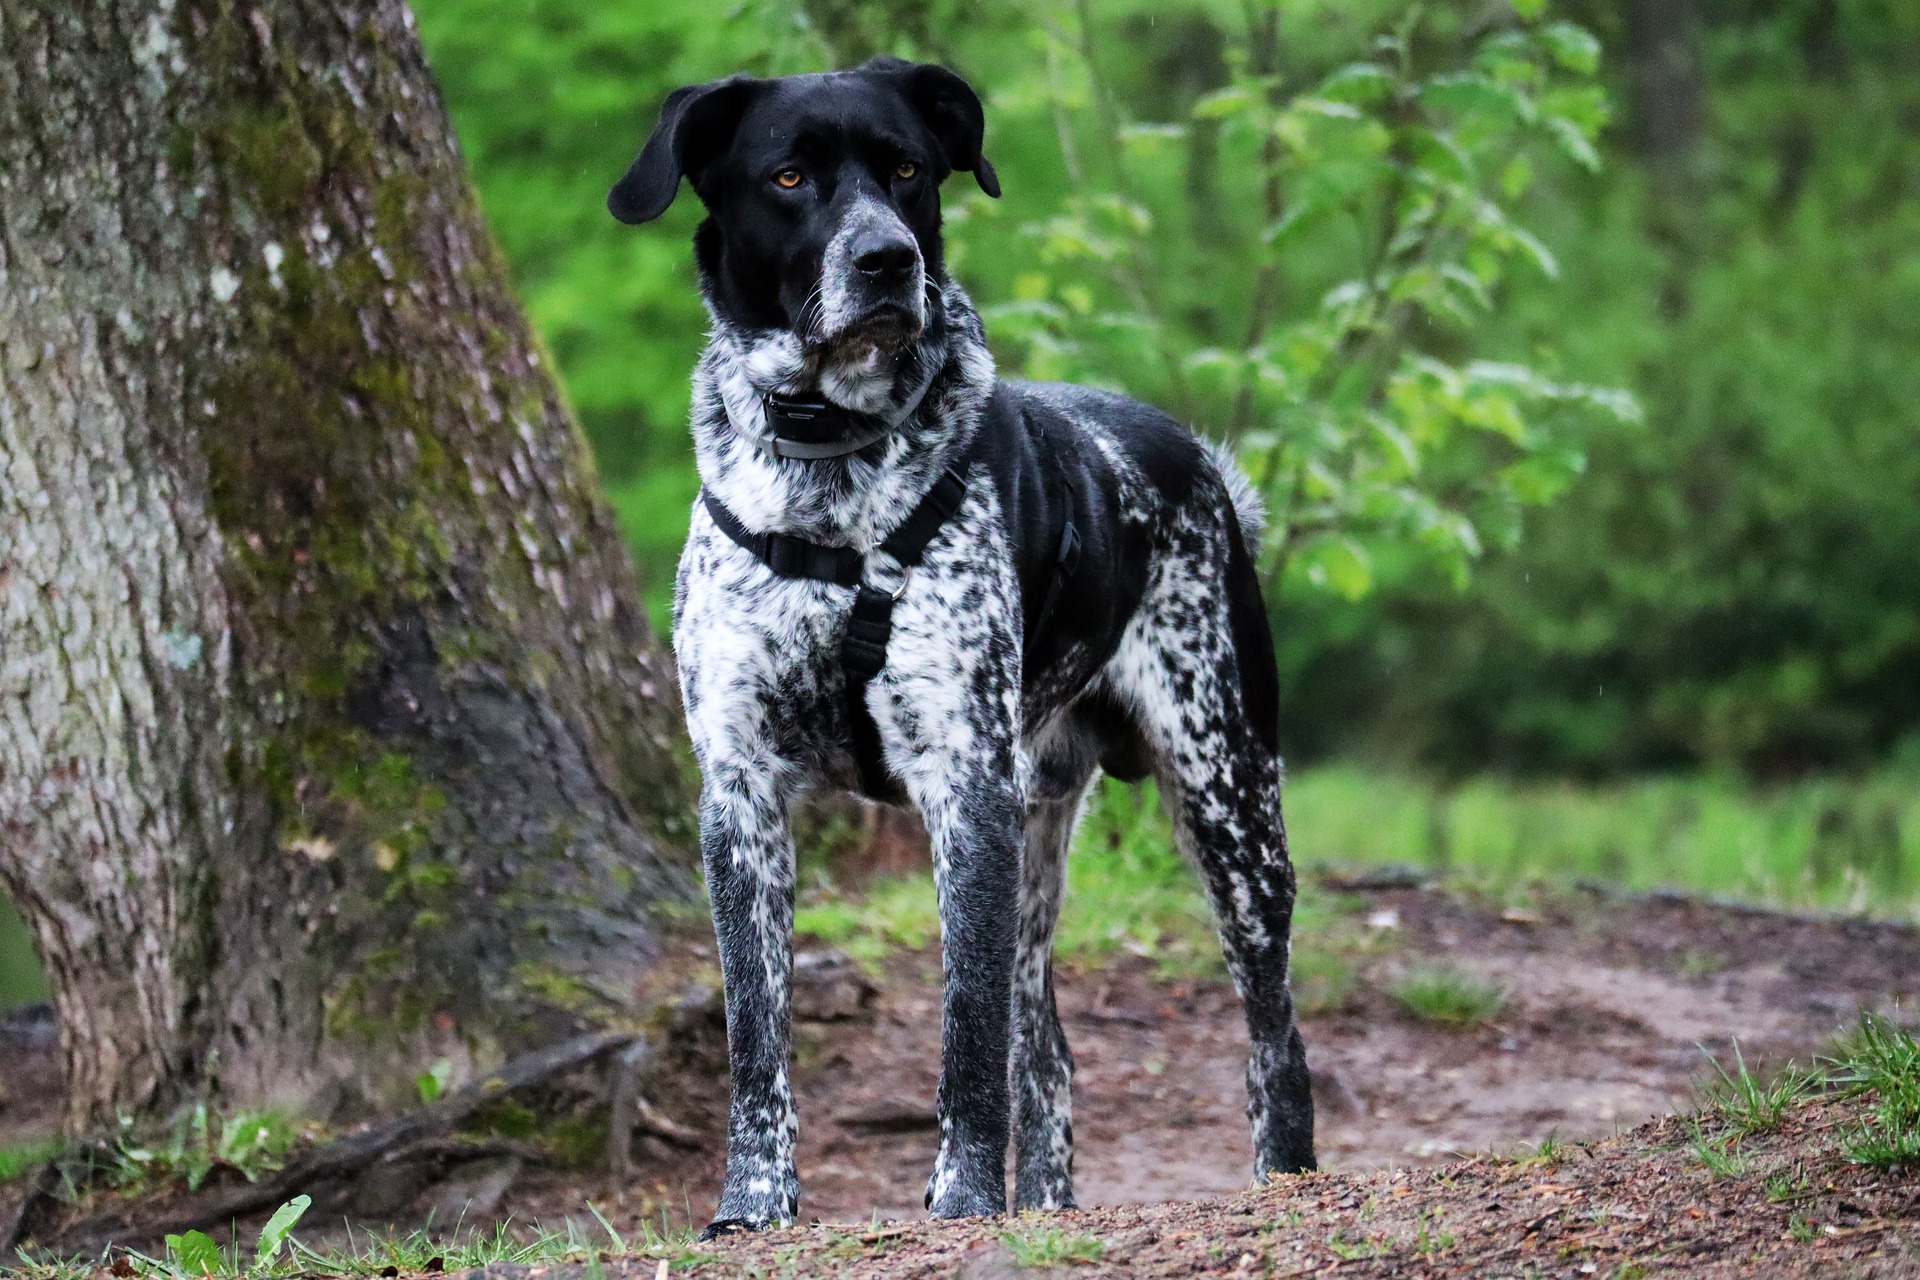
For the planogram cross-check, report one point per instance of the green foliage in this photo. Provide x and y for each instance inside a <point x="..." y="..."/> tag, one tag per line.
<point x="1845" y="845"/>
<point x="1367" y="244"/>
<point x="432" y="1083"/>
<point x="252" y="1143"/>
<point x="1331" y="335"/>
<point x="1883" y="1059"/>
<point x="195" y="1254"/>
<point x="1327" y="326"/>
<point x="1050" y="1246"/>
<point x="1448" y="996"/>
<point x="1750" y="1104"/>
<point x="1733" y="583"/>
<point x="279" y="1227"/>
<point x="1720" y="1156"/>
<point x="18" y="1157"/>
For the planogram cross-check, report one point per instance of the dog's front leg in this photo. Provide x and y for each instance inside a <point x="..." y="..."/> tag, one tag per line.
<point x="976" y="830"/>
<point x="748" y="848"/>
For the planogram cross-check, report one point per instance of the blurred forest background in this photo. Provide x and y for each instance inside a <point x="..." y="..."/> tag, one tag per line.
<point x="1574" y="347"/>
<point x="1731" y="582"/>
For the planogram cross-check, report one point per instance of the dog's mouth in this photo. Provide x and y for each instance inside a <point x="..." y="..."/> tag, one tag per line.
<point x="886" y="330"/>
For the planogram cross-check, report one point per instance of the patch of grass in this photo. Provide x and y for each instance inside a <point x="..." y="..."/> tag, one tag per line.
<point x="1128" y="890"/>
<point x="1050" y="1246"/>
<point x="1721" y="1156"/>
<point x="18" y="1157"/>
<point x="1783" y="1186"/>
<point x="1849" y="844"/>
<point x="1801" y="1229"/>
<point x="1881" y="1058"/>
<point x="1749" y="1104"/>
<point x="1448" y="996"/>
<point x="1427" y="1242"/>
<point x="1350" y="1250"/>
<point x="1550" y="1150"/>
<point x="900" y="912"/>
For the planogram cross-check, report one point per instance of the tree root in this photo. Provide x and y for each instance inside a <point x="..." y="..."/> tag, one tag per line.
<point x="418" y="1134"/>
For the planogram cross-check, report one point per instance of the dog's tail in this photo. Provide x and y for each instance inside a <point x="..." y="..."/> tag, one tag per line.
<point x="1248" y="506"/>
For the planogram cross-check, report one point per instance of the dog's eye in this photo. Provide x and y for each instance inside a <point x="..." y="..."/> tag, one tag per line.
<point x="789" y="178"/>
<point x="906" y="169"/>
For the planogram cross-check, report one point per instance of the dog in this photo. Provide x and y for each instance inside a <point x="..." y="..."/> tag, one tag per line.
<point x="911" y="579"/>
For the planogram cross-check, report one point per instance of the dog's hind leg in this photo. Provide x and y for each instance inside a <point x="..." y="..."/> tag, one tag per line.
<point x="1042" y="1062"/>
<point x="1197" y="669"/>
<point x="748" y="852"/>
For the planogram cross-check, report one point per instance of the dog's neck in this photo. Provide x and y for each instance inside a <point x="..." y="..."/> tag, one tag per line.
<point x="858" y="499"/>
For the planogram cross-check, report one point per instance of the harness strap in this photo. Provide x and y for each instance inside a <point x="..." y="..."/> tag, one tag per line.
<point x="863" y="651"/>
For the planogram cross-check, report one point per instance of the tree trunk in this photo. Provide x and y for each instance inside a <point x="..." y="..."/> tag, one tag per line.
<point x="332" y="738"/>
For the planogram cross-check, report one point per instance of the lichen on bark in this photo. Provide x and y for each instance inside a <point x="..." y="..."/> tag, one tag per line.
<point x="390" y="759"/>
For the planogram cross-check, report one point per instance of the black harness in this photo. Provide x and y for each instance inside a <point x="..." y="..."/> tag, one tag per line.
<point x="880" y="579"/>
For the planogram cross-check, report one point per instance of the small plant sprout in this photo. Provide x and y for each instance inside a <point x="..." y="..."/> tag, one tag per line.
<point x="1449" y="997"/>
<point x="1550" y="1150"/>
<point x="432" y="1083"/>
<point x="1786" y="1185"/>
<point x="1050" y="1246"/>
<point x="1748" y="1104"/>
<point x="1722" y="1156"/>
<point x="278" y="1228"/>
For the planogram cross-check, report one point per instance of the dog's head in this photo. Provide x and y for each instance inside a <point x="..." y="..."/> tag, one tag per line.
<point x="822" y="194"/>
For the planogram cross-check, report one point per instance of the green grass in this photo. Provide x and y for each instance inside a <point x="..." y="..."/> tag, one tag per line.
<point x="18" y="1157"/>
<point x="1829" y="843"/>
<point x="1721" y="1156"/>
<point x="1127" y="891"/>
<point x="1826" y="843"/>
<point x="1050" y="1246"/>
<point x="1751" y="1104"/>
<point x="194" y="1255"/>
<point x="1449" y="997"/>
<point x="1881" y="1060"/>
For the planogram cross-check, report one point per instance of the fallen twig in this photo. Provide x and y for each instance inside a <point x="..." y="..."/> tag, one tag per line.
<point x="347" y="1155"/>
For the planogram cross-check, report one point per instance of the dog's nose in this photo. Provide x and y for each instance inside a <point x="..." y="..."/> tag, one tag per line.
<point x="881" y="256"/>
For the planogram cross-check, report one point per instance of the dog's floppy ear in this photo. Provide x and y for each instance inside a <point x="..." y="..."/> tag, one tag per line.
<point x="951" y="109"/>
<point x="696" y="124"/>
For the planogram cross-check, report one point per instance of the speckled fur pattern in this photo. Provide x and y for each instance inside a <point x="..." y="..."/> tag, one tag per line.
<point x="998" y="758"/>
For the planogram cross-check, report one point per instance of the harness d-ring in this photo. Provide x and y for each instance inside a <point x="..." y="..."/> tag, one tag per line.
<point x="869" y="580"/>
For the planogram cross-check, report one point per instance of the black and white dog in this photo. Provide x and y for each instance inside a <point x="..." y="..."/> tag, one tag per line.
<point x="908" y="578"/>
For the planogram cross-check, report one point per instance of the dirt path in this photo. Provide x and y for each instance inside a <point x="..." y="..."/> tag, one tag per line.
<point x="1629" y="1207"/>
<point x="1609" y="1005"/>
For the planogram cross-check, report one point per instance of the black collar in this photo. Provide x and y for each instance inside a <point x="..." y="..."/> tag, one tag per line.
<point x="810" y="426"/>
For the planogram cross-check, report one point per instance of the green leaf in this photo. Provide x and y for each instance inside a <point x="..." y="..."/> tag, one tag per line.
<point x="1338" y="564"/>
<point x="1233" y="100"/>
<point x="278" y="1227"/>
<point x="1469" y="94"/>
<point x="1357" y="82"/>
<point x="1573" y="142"/>
<point x="1573" y="47"/>
<point x="1529" y="10"/>
<point x="194" y="1253"/>
<point x="433" y="1082"/>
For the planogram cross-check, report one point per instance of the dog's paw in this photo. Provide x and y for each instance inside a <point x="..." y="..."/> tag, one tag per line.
<point x="957" y="1201"/>
<point x="728" y="1227"/>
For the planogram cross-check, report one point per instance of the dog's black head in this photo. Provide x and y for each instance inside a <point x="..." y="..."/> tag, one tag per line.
<point x="822" y="194"/>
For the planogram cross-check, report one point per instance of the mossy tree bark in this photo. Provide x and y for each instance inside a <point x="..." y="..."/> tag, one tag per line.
<point x="332" y="738"/>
